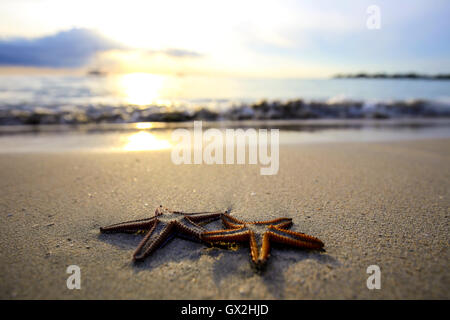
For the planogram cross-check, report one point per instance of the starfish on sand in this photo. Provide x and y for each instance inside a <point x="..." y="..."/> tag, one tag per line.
<point x="260" y="234"/>
<point x="162" y="227"/>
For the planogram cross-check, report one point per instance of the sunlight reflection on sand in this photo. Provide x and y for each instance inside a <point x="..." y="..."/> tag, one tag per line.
<point x="143" y="140"/>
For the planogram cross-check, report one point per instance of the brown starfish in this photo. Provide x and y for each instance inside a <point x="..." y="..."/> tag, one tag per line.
<point x="259" y="234"/>
<point x="162" y="227"/>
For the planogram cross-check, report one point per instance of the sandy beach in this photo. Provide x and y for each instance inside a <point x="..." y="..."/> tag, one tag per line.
<point x="377" y="203"/>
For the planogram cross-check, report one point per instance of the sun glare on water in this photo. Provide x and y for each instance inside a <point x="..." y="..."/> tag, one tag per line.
<point x="141" y="88"/>
<point x="144" y="140"/>
<point x="144" y="125"/>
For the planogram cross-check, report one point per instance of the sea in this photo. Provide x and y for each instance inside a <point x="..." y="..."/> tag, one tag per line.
<point x="321" y="110"/>
<point x="126" y="98"/>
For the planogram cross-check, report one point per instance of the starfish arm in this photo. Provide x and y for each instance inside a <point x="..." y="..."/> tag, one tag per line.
<point x="284" y="224"/>
<point x="280" y="222"/>
<point x="231" y="222"/>
<point x="300" y="235"/>
<point x="204" y="217"/>
<point x="129" y="226"/>
<point x="295" y="239"/>
<point x="156" y="237"/>
<point x="187" y="226"/>
<point x="254" y="250"/>
<point x="259" y="248"/>
<point x="265" y="249"/>
<point x="228" y="235"/>
<point x="199" y="213"/>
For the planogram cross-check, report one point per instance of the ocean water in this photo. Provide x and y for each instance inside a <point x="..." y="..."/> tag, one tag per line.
<point x="55" y="99"/>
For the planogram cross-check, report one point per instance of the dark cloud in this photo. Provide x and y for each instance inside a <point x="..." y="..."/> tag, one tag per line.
<point x="66" y="49"/>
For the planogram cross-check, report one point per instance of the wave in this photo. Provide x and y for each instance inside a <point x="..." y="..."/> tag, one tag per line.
<point x="28" y="114"/>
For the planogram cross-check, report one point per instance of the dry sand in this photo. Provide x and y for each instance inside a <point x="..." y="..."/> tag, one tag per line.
<point x="371" y="203"/>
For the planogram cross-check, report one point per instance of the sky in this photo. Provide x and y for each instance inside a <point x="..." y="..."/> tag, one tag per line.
<point x="270" y="39"/>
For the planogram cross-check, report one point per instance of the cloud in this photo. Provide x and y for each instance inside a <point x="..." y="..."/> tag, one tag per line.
<point x="180" y="53"/>
<point x="172" y="53"/>
<point x="67" y="49"/>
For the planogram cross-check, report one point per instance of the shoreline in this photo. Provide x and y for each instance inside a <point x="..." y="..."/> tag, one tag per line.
<point x="154" y="136"/>
<point x="282" y="124"/>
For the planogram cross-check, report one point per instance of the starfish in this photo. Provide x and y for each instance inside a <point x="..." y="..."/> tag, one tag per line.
<point x="259" y="234"/>
<point x="162" y="227"/>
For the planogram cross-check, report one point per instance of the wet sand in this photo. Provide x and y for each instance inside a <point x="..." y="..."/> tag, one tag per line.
<point x="371" y="203"/>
